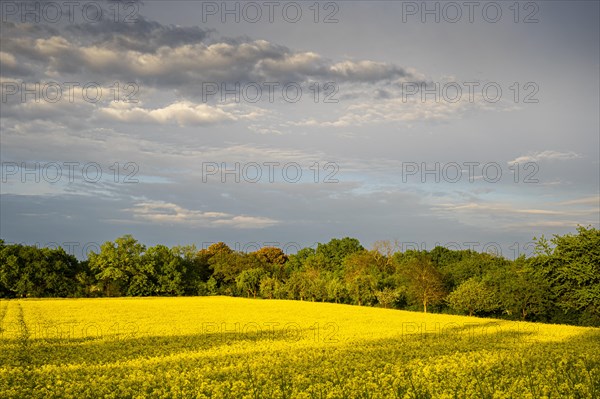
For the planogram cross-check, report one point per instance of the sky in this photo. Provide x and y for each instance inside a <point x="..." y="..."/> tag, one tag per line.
<point x="469" y="125"/>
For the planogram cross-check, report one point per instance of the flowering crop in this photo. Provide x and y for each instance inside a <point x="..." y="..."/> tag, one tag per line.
<point x="222" y="347"/>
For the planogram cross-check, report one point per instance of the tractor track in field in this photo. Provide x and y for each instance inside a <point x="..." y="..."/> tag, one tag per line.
<point x="3" y="310"/>
<point x="23" y="353"/>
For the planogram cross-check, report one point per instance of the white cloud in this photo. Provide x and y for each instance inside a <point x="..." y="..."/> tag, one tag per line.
<point x="518" y="214"/>
<point x="391" y="111"/>
<point x="548" y="155"/>
<point x="184" y="113"/>
<point x="7" y="60"/>
<point x="495" y="208"/>
<point x="264" y="130"/>
<point x="582" y="201"/>
<point x="168" y="213"/>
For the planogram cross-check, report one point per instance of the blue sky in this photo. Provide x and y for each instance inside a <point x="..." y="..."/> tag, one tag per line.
<point x="476" y="133"/>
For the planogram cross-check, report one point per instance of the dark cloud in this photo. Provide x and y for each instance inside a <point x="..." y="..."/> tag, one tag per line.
<point x="382" y="94"/>
<point x="176" y="57"/>
<point x="143" y="36"/>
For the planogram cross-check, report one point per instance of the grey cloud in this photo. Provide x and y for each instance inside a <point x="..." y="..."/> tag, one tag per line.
<point x="180" y="57"/>
<point x="143" y="35"/>
<point x="382" y="94"/>
<point x="367" y="71"/>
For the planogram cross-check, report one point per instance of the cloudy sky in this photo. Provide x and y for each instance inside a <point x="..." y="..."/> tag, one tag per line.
<point x="289" y="123"/>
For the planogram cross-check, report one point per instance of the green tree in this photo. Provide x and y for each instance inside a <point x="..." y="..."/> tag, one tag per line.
<point x="87" y="284"/>
<point x="298" y="286"/>
<point x="423" y="281"/>
<point x="336" y="290"/>
<point x="273" y="260"/>
<point x="196" y="266"/>
<point x="168" y="269"/>
<point x="473" y="296"/>
<point x="383" y="252"/>
<point x="226" y="266"/>
<point x="218" y="248"/>
<point x="270" y="287"/>
<point x="336" y="250"/>
<point x="296" y="261"/>
<point x="118" y="267"/>
<point x="573" y="270"/>
<point x="522" y="290"/>
<point x="317" y="283"/>
<point x="317" y="262"/>
<point x="57" y="272"/>
<point x="459" y="266"/>
<point x="387" y="296"/>
<point x="442" y="256"/>
<point x="249" y="281"/>
<point x="272" y="255"/>
<point x="359" y="270"/>
<point x="210" y="287"/>
<point x="27" y="271"/>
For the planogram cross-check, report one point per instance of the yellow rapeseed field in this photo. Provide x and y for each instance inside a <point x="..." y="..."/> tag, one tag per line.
<point x="223" y="347"/>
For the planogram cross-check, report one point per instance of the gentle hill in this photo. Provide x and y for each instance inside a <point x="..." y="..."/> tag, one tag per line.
<point x="234" y="347"/>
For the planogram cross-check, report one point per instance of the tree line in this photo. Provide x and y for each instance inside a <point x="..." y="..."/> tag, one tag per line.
<point x="560" y="283"/>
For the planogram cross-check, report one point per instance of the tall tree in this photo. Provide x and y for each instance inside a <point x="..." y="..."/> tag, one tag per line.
<point x="522" y="290"/>
<point x="336" y="290"/>
<point x="28" y="271"/>
<point x="296" y="261"/>
<point x="226" y="264"/>
<point x="118" y="267"/>
<point x="423" y="281"/>
<point x="249" y="281"/>
<point x="573" y="269"/>
<point x="387" y="296"/>
<point x="359" y="276"/>
<point x="168" y="268"/>
<point x="337" y="249"/>
<point x="473" y="296"/>
<point x="196" y="266"/>
<point x="383" y="251"/>
<point x="274" y="260"/>
<point x="271" y="287"/>
<point x="298" y="286"/>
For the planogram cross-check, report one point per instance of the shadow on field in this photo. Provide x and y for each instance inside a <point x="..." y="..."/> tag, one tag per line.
<point x="60" y="351"/>
<point x="469" y="361"/>
<point x="412" y="343"/>
<point x="423" y="363"/>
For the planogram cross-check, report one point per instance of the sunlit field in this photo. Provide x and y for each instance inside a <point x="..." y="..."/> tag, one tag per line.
<point x="223" y="347"/>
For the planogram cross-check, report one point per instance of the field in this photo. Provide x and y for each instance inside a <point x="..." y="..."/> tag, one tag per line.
<point x="222" y="347"/>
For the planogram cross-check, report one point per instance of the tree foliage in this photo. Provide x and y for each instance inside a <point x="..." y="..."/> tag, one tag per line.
<point x="559" y="283"/>
<point x="473" y="296"/>
<point x="424" y="283"/>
